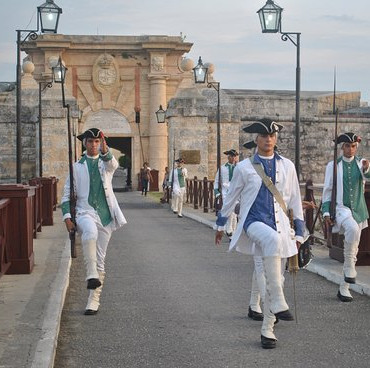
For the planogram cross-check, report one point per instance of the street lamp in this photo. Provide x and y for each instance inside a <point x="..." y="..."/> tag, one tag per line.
<point x="161" y="115"/>
<point x="42" y="86"/>
<point x="48" y="17"/>
<point x="270" y="18"/>
<point x="201" y="76"/>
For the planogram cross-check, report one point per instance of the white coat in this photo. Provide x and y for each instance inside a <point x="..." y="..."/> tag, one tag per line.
<point x="82" y="186"/>
<point x="224" y="180"/>
<point x="342" y="212"/>
<point x="245" y="186"/>
<point x="177" y="190"/>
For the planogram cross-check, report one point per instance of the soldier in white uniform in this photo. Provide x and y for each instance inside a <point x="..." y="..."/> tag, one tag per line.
<point x="351" y="210"/>
<point x="264" y="228"/>
<point x="177" y="181"/>
<point x="97" y="209"/>
<point x="227" y="171"/>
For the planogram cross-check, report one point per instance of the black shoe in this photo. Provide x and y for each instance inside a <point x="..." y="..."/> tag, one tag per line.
<point x="179" y="216"/>
<point x="256" y="316"/>
<point x="285" y="315"/>
<point x="268" y="343"/>
<point x="93" y="283"/>
<point x="229" y="234"/>
<point x="350" y="280"/>
<point x="343" y="298"/>
<point x="90" y="312"/>
<point x="174" y="211"/>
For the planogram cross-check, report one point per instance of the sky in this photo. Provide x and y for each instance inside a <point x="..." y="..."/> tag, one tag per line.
<point x="227" y="33"/>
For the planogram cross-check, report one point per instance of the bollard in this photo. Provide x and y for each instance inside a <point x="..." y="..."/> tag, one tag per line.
<point x="4" y="241"/>
<point x="19" y="228"/>
<point x="47" y="200"/>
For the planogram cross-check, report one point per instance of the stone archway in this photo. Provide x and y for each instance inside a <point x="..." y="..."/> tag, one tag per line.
<point x="110" y="121"/>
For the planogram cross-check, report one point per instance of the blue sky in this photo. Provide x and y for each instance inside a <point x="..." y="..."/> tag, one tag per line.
<point x="335" y="33"/>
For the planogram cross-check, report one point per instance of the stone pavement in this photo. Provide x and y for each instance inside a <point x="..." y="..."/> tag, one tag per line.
<point x="31" y="305"/>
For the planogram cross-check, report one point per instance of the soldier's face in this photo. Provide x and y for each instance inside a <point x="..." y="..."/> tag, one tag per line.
<point x="266" y="143"/>
<point x="92" y="146"/>
<point x="349" y="149"/>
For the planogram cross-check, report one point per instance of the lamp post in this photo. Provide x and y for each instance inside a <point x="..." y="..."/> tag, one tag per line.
<point x="42" y="87"/>
<point x="48" y="18"/>
<point x="270" y="18"/>
<point x="201" y="76"/>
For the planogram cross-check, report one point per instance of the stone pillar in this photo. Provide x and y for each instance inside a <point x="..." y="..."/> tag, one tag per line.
<point x="158" y="134"/>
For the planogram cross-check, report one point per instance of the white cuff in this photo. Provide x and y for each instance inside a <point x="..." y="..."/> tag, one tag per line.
<point x="66" y="216"/>
<point x="299" y="238"/>
<point x="326" y="214"/>
<point x="219" y="228"/>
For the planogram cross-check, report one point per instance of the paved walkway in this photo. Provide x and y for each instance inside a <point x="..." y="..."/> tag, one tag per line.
<point x="31" y="305"/>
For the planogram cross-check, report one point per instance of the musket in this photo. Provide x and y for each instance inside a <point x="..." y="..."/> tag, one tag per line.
<point x="333" y="200"/>
<point x="173" y="168"/>
<point x="72" y="196"/>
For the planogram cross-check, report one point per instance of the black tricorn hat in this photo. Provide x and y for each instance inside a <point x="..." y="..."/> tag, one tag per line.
<point x="91" y="133"/>
<point x="263" y="126"/>
<point x="250" y="145"/>
<point x="348" y="138"/>
<point x="180" y="160"/>
<point x="231" y="152"/>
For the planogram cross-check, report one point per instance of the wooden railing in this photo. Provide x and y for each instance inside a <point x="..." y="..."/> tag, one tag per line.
<point x="200" y="194"/>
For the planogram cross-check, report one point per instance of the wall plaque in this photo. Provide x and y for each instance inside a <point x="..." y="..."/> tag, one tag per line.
<point x="191" y="157"/>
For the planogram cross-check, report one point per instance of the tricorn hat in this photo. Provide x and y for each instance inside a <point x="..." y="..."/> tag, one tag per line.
<point x="91" y="133"/>
<point x="180" y="160"/>
<point x="231" y="152"/>
<point x="250" y="145"/>
<point x="348" y="138"/>
<point x="263" y="126"/>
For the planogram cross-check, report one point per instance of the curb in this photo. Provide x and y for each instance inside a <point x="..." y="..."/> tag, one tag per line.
<point x="46" y="346"/>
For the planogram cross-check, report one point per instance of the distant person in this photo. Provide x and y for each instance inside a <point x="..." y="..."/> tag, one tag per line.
<point x="146" y="178"/>
<point x="177" y="181"/>
<point x="351" y="211"/>
<point x="221" y="188"/>
<point x="97" y="211"/>
<point x="165" y="184"/>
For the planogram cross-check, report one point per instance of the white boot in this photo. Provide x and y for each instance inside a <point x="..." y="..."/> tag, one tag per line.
<point x="274" y="289"/>
<point x="350" y="251"/>
<point x="343" y="293"/>
<point x="90" y="260"/>
<point x="269" y="319"/>
<point x="93" y="300"/>
<point x="255" y="299"/>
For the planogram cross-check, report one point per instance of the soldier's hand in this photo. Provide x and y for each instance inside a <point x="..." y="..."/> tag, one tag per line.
<point x="218" y="238"/>
<point x="328" y="221"/>
<point x="103" y="145"/>
<point x="69" y="224"/>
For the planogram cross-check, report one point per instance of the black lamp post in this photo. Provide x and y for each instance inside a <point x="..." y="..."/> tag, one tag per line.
<point x="270" y="18"/>
<point x="42" y="87"/>
<point x="48" y="17"/>
<point x="201" y="76"/>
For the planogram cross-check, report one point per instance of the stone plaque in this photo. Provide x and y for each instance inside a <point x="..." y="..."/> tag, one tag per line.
<point x="105" y="73"/>
<point x="191" y="157"/>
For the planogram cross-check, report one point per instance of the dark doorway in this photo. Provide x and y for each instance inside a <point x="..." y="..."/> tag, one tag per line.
<point x="122" y="177"/>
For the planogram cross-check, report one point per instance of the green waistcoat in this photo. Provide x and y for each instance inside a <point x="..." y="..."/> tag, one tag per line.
<point x="97" y="198"/>
<point x="181" y="178"/>
<point x="353" y="191"/>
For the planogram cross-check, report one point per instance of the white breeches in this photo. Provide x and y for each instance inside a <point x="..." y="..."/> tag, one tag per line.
<point x="352" y="235"/>
<point x="269" y="242"/>
<point x="178" y="197"/>
<point x="91" y="229"/>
